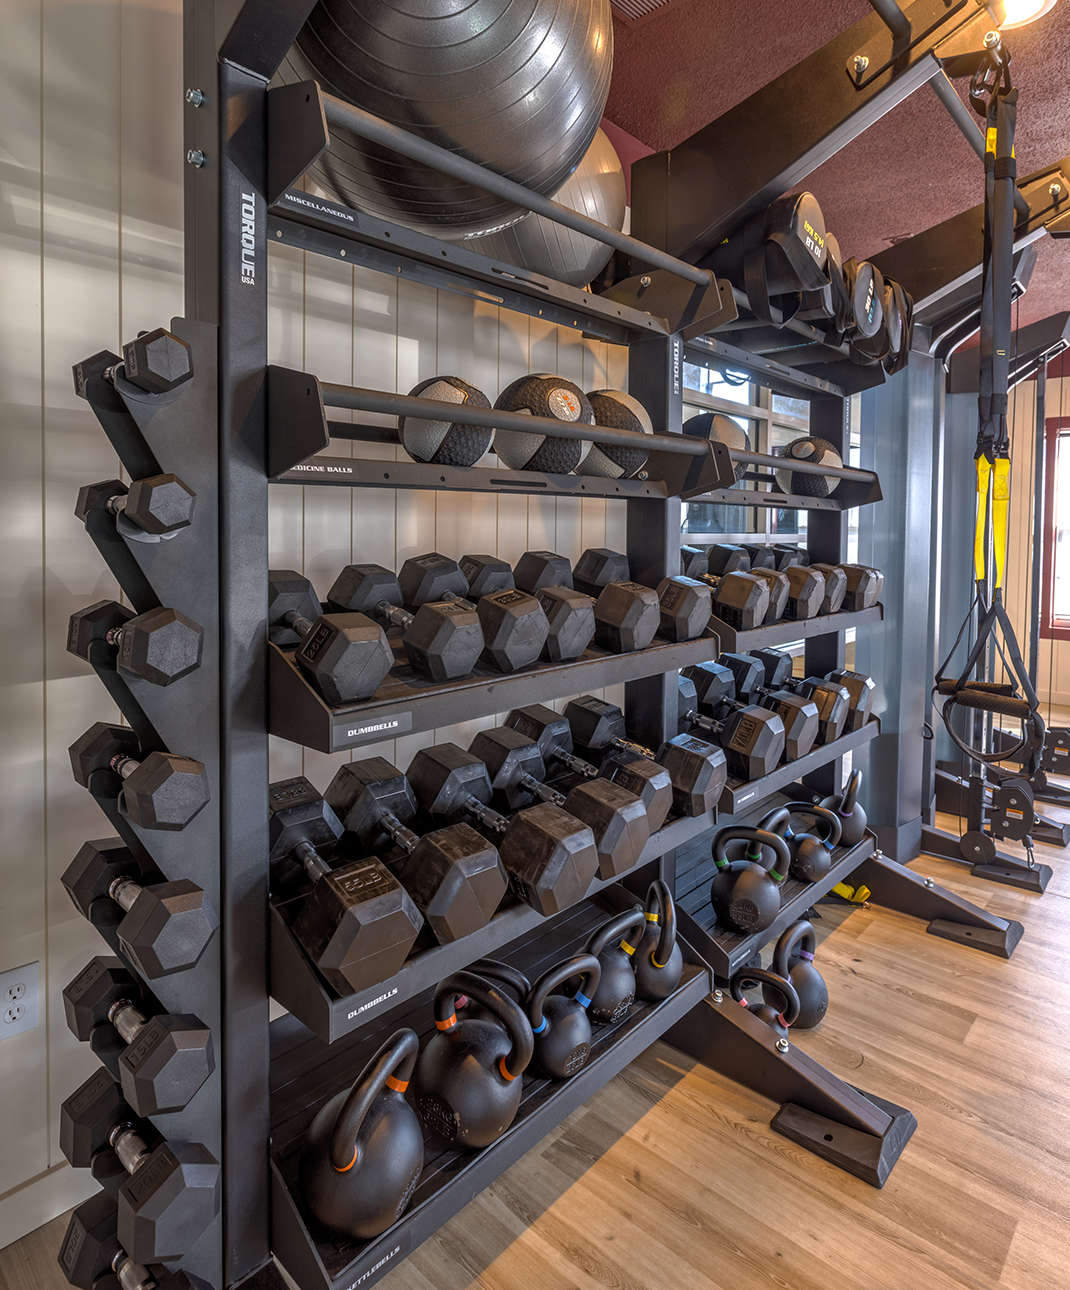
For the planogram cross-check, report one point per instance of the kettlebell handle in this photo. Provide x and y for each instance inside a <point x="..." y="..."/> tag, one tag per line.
<point x="745" y="978"/>
<point x="632" y="920"/>
<point x="850" y="796"/>
<point x="830" y="818"/>
<point x="775" y="820"/>
<point x="585" y="965"/>
<point x="499" y="973"/>
<point x="800" y="933"/>
<point x="391" y="1068"/>
<point x="660" y="909"/>
<point x="772" y="840"/>
<point x="510" y="1014"/>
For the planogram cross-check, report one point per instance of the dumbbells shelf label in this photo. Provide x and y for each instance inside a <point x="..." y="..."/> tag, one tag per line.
<point x="299" y="713"/>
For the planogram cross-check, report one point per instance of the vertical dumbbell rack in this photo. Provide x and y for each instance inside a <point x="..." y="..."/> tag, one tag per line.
<point x="240" y="423"/>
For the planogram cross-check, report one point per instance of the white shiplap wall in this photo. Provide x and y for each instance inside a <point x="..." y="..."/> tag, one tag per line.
<point x="91" y="172"/>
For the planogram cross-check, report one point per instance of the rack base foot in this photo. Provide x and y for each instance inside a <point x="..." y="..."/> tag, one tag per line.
<point x="829" y="1116"/>
<point x="989" y="940"/>
<point x="896" y="887"/>
<point x="864" y="1155"/>
<point x="1035" y="879"/>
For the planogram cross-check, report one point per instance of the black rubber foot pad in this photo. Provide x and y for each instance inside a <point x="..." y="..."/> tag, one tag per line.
<point x="1035" y="879"/>
<point x="990" y="939"/>
<point x="864" y="1155"/>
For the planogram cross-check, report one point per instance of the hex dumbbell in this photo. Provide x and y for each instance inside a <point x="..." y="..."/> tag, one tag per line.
<point x="161" y="1061"/>
<point x="156" y="362"/>
<point x="167" y="1192"/>
<point x="833" y="700"/>
<point x="358" y="923"/>
<point x="551" y="858"/>
<point x="91" y="1254"/>
<point x="735" y="680"/>
<point x="740" y="599"/>
<point x="442" y="639"/>
<point x="835" y="587"/>
<point x="163" y="927"/>
<point x="345" y="655"/>
<point x="752" y="737"/>
<point x="163" y="791"/>
<point x="160" y="646"/>
<point x="615" y="816"/>
<point x="569" y="613"/>
<point x="454" y="875"/>
<point x="806" y="592"/>
<point x="685" y="606"/>
<point x="697" y="771"/>
<point x="147" y="510"/>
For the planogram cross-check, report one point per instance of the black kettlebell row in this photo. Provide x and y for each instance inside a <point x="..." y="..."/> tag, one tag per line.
<point x="794" y="994"/>
<point x="365" y="1149"/>
<point x="746" y="889"/>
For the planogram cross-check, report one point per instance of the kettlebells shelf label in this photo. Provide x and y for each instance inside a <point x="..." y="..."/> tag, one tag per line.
<point x="402" y="1247"/>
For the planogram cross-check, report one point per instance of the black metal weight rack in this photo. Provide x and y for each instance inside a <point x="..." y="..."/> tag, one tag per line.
<point x="241" y="423"/>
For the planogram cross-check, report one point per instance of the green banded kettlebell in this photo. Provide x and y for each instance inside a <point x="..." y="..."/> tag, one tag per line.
<point x="498" y="973"/>
<point x="467" y="1082"/>
<point x="746" y="897"/>
<point x="811" y="856"/>
<point x="657" y="959"/>
<point x="807" y="981"/>
<point x="851" y="815"/>
<point x="777" y="1018"/>
<point x="560" y="1024"/>
<point x="364" y="1151"/>
<point x="613" y="945"/>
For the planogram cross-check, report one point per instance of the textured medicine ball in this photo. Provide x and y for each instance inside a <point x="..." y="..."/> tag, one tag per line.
<point x="518" y="86"/>
<point x="820" y="453"/>
<point x="712" y="425"/>
<point x="543" y="395"/>
<point x="446" y="443"/>
<point x="618" y="411"/>
<point x="595" y="190"/>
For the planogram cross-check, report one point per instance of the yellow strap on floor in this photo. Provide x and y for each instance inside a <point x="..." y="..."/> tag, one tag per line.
<point x="1001" y="500"/>
<point x="984" y="474"/>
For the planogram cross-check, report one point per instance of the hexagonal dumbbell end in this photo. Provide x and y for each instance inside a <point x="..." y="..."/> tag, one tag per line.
<point x="90" y="1242"/>
<point x="89" y="875"/>
<point x="166" y="1205"/>
<point x="686" y="605"/>
<point x="627" y="617"/>
<point x="699" y="771"/>
<point x="426" y="578"/>
<point x="456" y="879"/>
<point x="289" y="594"/>
<point x="160" y="504"/>
<point x="165" y="791"/>
<point x="160" y="646"/>
<point x="103" y="981"/>
<point x="98" y="497"/>
<point x="167" y="926"/>
<point x="347" y="656"/>
<point x="167" y="1062"/>
<point x="84" y="371"/>
<point x="89" y="1115"/>
<point x="96" y="750"/>
<point x="157" y="361"/>
<point x="551" y="857"/>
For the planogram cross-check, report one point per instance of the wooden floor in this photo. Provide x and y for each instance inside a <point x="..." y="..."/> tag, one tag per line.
<point x="670" y="1177"/>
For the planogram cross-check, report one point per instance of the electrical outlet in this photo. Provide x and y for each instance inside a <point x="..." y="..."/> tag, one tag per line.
<point x="18" y="1000"/>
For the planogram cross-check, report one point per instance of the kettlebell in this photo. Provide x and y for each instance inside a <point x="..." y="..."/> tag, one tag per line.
<point x="560" y="1025"/>
<point x="467" y="1080"/>
<point x="746" y="897"/>
<point x="811" y="856"/>
<point x="613" y="944"/>
<point x="498" y="973"/>
<point x="779" y="1019"/>
<point x="657" y="959"/>
<point x="808" y="982"/>
<point x="364" y="1152"/>
<point x="851" y="815"/>
<point x="776" y="821"/>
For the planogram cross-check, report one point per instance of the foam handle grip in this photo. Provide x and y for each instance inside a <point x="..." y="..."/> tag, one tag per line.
<point x="986" y="701"/>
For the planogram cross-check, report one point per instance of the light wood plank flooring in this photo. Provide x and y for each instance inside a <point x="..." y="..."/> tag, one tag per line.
<point x="670" y="1176"/>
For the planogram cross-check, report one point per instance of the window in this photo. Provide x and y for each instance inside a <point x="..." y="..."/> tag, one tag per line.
<point x="1055" y="600"/>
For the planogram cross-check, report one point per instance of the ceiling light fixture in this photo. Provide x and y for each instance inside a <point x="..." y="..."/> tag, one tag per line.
<point x="1021" y="12"/>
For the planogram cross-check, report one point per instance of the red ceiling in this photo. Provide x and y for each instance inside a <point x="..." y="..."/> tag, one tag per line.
<point x="680" y="68"/>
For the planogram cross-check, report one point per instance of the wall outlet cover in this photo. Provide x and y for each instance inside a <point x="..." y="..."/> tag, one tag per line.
<point x="18" y="999"/>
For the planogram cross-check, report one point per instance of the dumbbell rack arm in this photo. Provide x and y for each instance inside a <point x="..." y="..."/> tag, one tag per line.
<point x="306" y="1072"/>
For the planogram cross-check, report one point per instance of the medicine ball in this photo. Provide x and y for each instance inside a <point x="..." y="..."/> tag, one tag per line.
<point x="595" y="190"/>
<point x="543" y="395"/>
<point x="712" y="425"/>
<point x="446" y="443"/>
<point x="618" y="411"/>
<point x="820" y="453"/>
<point x="518" y="86"/>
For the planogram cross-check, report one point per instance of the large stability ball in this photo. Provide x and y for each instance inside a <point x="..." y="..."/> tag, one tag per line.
<point x="516" y="85"/>
<point x="596" y="190"/>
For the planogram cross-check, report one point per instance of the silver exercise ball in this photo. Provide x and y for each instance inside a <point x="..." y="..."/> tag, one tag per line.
<point x="516" y="85"/>
<point x="596" y="190"/>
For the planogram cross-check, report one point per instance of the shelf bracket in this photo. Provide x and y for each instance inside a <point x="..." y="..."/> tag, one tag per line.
<point x="296" y="134"/>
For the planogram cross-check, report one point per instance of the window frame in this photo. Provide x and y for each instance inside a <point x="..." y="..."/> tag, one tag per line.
<point x="1049" y="628"/>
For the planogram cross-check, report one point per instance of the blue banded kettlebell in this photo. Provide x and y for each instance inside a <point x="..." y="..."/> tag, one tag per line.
<point x="613" y="945"/>
<point x="811" y="856"/>
<point x="560" y="1025"/>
